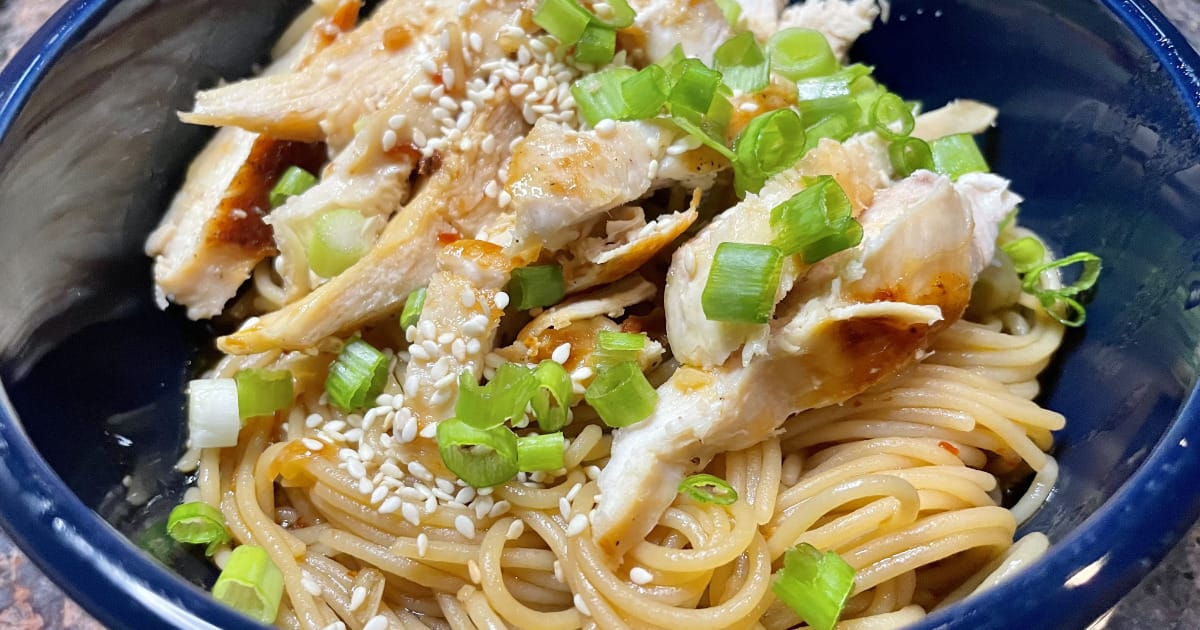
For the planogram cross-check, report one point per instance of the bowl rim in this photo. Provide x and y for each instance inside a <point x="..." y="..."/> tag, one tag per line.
<point x="1090" y="569"/>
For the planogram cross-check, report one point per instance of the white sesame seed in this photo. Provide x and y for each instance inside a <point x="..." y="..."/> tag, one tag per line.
<point x="431" y="347"/>
<point x="422" y="544"/>
<point x="313" y="420"/>
<point x="397" y="121"/>
<point x="578" y="523"/>
<point x="474" y="572"/>
<point x="429" y="430"/>
<point x="465" y="526"/>
<point x="410" y="513"/>
<point x="518" y="89"/>
<point x="574" y="491"/>
<point x="379" y="495"/>
<point x="475" y="42"/>
<point x="442" y="114"/>
<point x="748" y="106"/>
<point x="445" y="381"/>
<point x="592" y="472"/>
<point x="336" y="425"/>
<point x="483" y="505"/>
<point x="465" y="495"/>
<point x="474" y="347"/>
<point x="640" y="576"/>
<point x="355" y="468"/>
<point x="504" y="199"/>
<point x="606" y="127"/>
<point x="426" y="329"/>
<point x="357" y="597"/>
<point x="337" y="625"/>
<point x="409" y="432"/>
<point x="499" y="509"/>
<point x="515" y="530"/>
<point x="418" y="470"/>
<point x="438" y="92"/>
<point x="431" y="505"/>
<point x="429" y="66"/>
<point x="459" y="350"/>
<point x="475" y="326"/>
<point x="390" y="469"/>
<point x="489" y="144"/>
<point x="365" y="452"/>
<point x="310" y="584"/>
<point x="448" y="77"/>
<point x="558" y="572"/>
<point x="418" y="138"/>
<point x="390" y="504"/>
<point x="378" y="622"/>
<point x="581" y="606"/>
<point x="561" y="354"/>
<point x="389" y="140"/>
<point x="313" y="445"/>
<point x="365" y="486"/>
<point x="422" y="91"/>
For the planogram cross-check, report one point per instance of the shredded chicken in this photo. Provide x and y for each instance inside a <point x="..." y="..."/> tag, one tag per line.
<point x="840" y="21"/>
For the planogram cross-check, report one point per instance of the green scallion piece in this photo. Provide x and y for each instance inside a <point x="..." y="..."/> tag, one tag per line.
<point x="597" y="44"/>
<point x="599" y="95"/>
<point x="707" y="131"/>
<point x="908" y="155"/>
<point x="956" y="155"/>
<point x="835" y="127"/>
<point x="566" y="20"/>
<point x="814" y="585"/>
<point x="891" y="117"/>
<point x="842" y="93"/>
<point x="539" y="285"/>
<point x="816" y="222"/>
<point x="799" y="53"/>
<point x="198" y="523"/>
<point x="693" y="91"/>
<point x="250" y="584"/>
<point x="1027" y="253"/>
<point x="707" y="488"/>
<point x="644" y="93"/>
<point x="742" y="283"/>
<point x="616" y="347"/>
<point x="769" y="144"/>
<point x="743" y="64"/>
<point x="553" y="382"/>
<point x="540" y="452"/>
<point x="621" y="15"/>
<point x="337" y="242"/>
<point x="357" y="376"/>
<point x="262" y="392"/>
<point x="413" y="306"/>
<point x="621" y="395"/>
<point x="1088" y="275"/>
<point x="293" y="181"/>
<point x="481" y="457"/>
<point x="504" y="397"/>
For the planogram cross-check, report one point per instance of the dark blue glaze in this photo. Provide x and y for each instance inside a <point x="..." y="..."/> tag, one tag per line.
<point x="1098" y="129"/>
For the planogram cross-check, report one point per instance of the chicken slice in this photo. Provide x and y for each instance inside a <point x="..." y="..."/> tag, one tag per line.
<point x="628" y="243"/>
<point x="337" y="86"/>
<point x="859" y="166"/>
<point x="451" y="202"/>
<point x="840" y="21"/>
<point x="457" y="326"/>
<point x="957" y="116"/>
<point x="560" y="178"/>
<point x="854" y="319"/>
<point x="699" y="26"/>
<point x="761" y="17"/>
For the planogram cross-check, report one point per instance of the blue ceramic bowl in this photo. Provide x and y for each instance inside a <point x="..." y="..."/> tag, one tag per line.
<point x="1098" y="129"/>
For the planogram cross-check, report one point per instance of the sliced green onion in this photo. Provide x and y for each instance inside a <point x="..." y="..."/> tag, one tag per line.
<point x="552" y="382"/>
<point x="337" y="242"/>
<point x="621" y="395"/>
<point x="742" y="63"/>
<point x="957" y="155"/>
<point x="250" y="584"/>
<point x="891" y="117"/>
<point x="731" y="9"/>
<point x="708" y="132"/>
<point x="1026" y="253"/>
<point x="597" y="45"/>
<point x="742" y="283"/>
<point x="262" y="392"/>
<point x="835" y="127"/>
<point x="814" y="585"/>
<point x="842" y="93"/>
<point x="412" y="309"/>
<point x="540" y="452"/>
<point x="599" y="96"/>
<point x="909" y="155"/>
<point x="799" y="53"/>
<point x="707" y="488"/>
<point x="644" y="93"/>
<point x="198" y="523"/>
<point x="816" y="222"/>
<point x="622" y="14"/>
<point x="481" y="457"/>
<point x="539" y="285"/>
<point x="566" y="20"/>
<point x="1087" y="276"/>
<point x="693" y="91"/>
<point x="504" y="397"/>
<point x="357" y="376"/>
<point x="617" y="347"/>
<point x="294" y="181"/>
<point x="672" y="63"/>
<point x="769" y="144"/>
<point x="213" y="419"/>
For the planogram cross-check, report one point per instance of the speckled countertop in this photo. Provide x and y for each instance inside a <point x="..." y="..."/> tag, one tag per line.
<point x="1168" y="599"/>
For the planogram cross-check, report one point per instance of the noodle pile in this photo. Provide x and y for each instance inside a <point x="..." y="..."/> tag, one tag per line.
<point x="903" y="481"/>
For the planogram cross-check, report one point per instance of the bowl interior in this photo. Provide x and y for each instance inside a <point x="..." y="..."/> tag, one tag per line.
<point x="1092" y="132"/>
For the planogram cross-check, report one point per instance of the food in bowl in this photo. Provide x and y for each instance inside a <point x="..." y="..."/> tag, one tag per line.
<point x="611" y="313"/>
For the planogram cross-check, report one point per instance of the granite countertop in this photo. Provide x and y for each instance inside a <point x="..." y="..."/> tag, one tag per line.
<point x="1169" y="598"/>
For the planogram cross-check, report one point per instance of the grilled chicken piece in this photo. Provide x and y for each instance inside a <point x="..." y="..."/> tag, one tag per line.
<point x="957" y="116"/>
<point x="761" y="17"/>
<point x="699" y="26"/>
<point x="451" y="203"/>
<point x="377" y="66"/>
<point x="477" y="269"/>
<point x="561" y="179"/>
<point x="840" y="21"/>
<point x="860" y="166"/>
<point x="628" y="242"/>
<point x="852" y="320"/>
